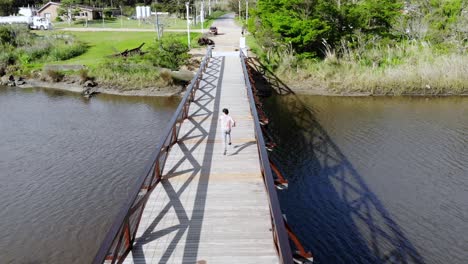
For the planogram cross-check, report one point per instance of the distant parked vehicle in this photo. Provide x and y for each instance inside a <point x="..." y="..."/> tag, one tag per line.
<point x="214" y="30"/>
<point x="34" y="22"/>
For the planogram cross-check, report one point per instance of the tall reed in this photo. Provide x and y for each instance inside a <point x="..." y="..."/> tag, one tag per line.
<point x="404" y="68"/>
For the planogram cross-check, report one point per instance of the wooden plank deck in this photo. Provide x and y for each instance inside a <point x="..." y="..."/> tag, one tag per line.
<point x="210" y="207"/>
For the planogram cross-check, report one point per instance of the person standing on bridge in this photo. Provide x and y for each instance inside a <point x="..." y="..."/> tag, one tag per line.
<point x="227" y="123"/>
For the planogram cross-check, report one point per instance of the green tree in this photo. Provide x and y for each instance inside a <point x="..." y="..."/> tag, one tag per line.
<point x="373" y="16"/>
<point x="307" y="24"/>
<point x="436" y="21"/>
<point x="7" y="7"/>
<point x="300" y="23"/>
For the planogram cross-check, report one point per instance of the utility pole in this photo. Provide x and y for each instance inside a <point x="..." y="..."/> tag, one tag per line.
<point x="240" y="13"/>
<point x="121" y="17"/>
<point x="246" y="10"/>
<point x="69" y="15"/>
<point x="202" y="15"/>
<point x="195" y="16"/>
<point x="157" y="25"/>
<point x="188" y="23"/>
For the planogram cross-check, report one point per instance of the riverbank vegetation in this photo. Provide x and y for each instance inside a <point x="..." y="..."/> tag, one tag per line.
<point x="23" y="51"/>
<point x="364" y="47"/>
<point x="82" y="56"/>
<point x="76" y="57"/>
<point x="153" y="69"/>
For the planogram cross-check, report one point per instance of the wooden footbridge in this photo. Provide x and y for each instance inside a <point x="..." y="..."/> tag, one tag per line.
<point x="195" y="204"/>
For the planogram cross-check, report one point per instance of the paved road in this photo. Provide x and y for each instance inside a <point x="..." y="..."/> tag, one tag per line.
<point x="126" y="29"/>
<point x="229" y="34"/>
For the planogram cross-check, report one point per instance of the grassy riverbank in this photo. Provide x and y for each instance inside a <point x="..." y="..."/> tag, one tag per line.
<point x="135" y="72"/>
<point x="31" y="55"/>
<point x="364" y="47"/>
<point x="406" y="68"/>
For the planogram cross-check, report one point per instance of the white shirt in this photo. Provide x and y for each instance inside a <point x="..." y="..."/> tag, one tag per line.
<point x="226" y="122"/>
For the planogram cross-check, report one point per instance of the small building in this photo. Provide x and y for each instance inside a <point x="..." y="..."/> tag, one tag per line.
<point x="88" y="12"/>
<point x="51" y="11"/>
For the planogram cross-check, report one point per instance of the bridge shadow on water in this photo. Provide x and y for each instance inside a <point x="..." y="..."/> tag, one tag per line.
<point x="188" y="174"/>
<point x="328" y="204"/>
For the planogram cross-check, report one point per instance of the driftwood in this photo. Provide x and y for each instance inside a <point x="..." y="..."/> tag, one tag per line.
<point x="131" y="52"/>
<point x="89" y="90"/>
<point x="205" y="41"/>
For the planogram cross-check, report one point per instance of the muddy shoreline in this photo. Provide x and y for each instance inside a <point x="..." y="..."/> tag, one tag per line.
<point x="324" y="92"/>
<point x="78" y="88"/>
<point x="179" y="90"/>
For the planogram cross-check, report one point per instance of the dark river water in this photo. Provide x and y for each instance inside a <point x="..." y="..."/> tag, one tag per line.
<point x="66" y="166"/>
<point x="371" y="180"/>
<point x="374" y="180"/>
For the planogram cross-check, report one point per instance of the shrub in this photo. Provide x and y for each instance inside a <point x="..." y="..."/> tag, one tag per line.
<point x="7" y="56"/>
<point x="107" y="12"/>
<point x="6" y="35"/>
<point x="169" y="53"/>
<point x="35" y="52"/>
<point x="68" y="51"/>
<point x="133" y="73"/>
<point x="23" y="36"/>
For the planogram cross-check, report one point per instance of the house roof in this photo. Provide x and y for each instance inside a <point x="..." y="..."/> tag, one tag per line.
<point x="88" y="8"/>
<point x="82" y="7"/>
<point x="46" y="5"/>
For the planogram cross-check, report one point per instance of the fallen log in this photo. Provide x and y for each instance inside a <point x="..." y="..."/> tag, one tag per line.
<point x="131" y="52"/>
<point x="205" y="41"/>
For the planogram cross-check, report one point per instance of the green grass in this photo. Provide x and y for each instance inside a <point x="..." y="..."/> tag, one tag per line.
<point x="115" y="23"/>
<point x="103" y="44"/>
<point x="124" y="22"/>
<point x="137" y="72"/>
<point x="253" y="45"/>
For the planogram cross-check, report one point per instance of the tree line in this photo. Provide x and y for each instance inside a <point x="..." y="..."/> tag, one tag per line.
<point x="309" y="26"/>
